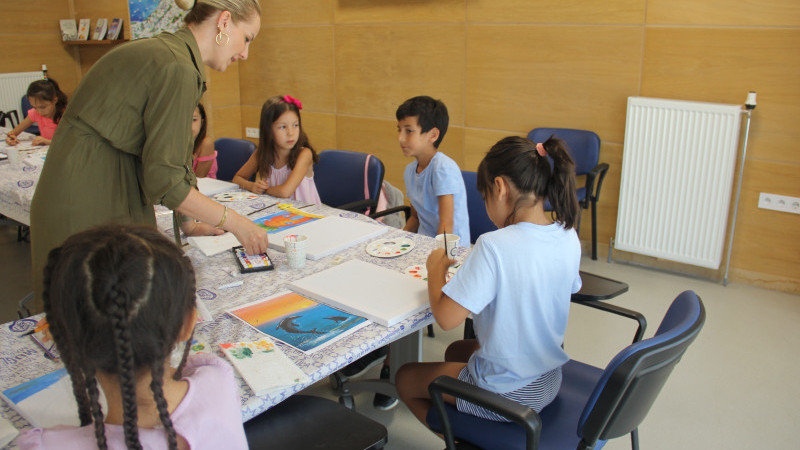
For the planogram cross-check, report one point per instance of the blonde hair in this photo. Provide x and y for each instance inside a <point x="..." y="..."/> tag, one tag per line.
<point x="200" y="10"/>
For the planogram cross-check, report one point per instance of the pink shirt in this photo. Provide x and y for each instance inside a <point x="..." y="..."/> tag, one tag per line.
<point x="212" y="172"/>
<point x="208" y="417"/>
<point x="46" y="125"/>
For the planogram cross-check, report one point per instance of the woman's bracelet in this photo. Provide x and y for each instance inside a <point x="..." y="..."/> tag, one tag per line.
<point x="224" y="217"/>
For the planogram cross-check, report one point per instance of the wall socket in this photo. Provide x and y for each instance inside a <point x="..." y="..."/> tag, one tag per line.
<point x="779" y="202"/>
<point x="251" y="132"/>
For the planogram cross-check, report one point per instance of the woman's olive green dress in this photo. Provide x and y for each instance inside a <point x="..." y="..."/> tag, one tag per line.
<point x="123" y="145"/>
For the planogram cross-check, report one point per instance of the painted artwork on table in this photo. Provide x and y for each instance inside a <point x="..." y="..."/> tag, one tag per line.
<point x="150" y="17"/>
<point x="284" y="220"/>
<point x="299" y="321"/>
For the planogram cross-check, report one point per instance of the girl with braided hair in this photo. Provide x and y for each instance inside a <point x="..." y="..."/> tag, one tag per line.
<point x="517" y="283"/>
<point x="118" y="299"/>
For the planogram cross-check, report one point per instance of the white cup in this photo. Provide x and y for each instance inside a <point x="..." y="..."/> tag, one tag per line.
<point x="452" y="243"/>
<point x="13" y="155"/>
<point x="295" y="245"/>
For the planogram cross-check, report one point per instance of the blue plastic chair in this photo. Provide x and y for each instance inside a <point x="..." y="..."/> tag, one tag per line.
<point x="593" y="404"/>
<point x="479" y="221"/>
<point x="231" y="156"/>
<point x="584" y="147"/>
<point x="26" y="106"/>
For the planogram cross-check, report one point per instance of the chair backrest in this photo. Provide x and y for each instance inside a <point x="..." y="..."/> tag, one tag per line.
<point x="584" y="146"/>
<point x="479" y="221"/>
<point x="26" y="106"/>
<point x="632" y="380"/>
<point x="339" y="176"/>
<point x="231" y="156"/>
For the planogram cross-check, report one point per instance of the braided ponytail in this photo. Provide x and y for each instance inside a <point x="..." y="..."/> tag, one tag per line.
<point x="156" y="385"/>
<point x="125" y="369"/>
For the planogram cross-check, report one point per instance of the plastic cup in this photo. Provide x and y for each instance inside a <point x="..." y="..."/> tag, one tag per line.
<point x="13" y="155"/>
<point x="295" y="245"/>
<point x="452" y="243"/>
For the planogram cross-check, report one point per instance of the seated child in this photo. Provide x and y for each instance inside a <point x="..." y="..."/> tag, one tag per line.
<point x="516" y="282"/>
<point x="204" y="156"/>
<point x="48" y="105"/>
<point x="284" y="161"/>
<point x="433" y="181"/>
<point x="118" y="299"/>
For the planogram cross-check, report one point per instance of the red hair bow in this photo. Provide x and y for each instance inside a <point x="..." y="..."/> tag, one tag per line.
<point x="290" y="99"/>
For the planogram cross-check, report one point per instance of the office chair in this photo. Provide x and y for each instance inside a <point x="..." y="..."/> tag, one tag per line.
<point x="26" y="106"/>
<point x="584" y="147"/>
<point x="11" y="116"/>
<point x="340" y="179"/>
<point x="231" y="156"/>
<point x="306" y="422"/>
<point x="593" y="404"/>
<point x="479" y="221"/>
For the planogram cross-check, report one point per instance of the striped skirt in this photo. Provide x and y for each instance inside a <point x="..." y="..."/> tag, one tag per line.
<point x="536" y="395"/>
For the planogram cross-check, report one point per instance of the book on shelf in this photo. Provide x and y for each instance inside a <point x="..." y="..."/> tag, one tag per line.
<point x="84" y="27"/>
<point x="100" y="29"/>
<point x="69" y="30"/>
<point x="264" y="367"/>
<point x="114" y="29"/>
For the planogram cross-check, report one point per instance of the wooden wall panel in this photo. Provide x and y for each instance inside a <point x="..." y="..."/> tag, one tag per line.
<point x="250" y="118"/>
<point x="477" y="142"/>
<point x="375" y="136"/>
<point x="408" y="11"/>
<point x="223" y="87"/>
<point x="33" y="16"/>
<point x="320" y="129"/>
<point x="721" y="65"/>
<point x="379" y="67"/>
<point x="557" y="11"/>
<point x="290" y="60"/>
<point x="776" y="13"/>
<point x="274" y="12"/>
<point x="523" y="77"/>
<point x="225" y="121"/>
<point x="38" y="49"/>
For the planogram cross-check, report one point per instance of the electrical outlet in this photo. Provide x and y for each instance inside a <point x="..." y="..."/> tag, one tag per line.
<point x="779" y="202"/>
<point x="251" y="132"/>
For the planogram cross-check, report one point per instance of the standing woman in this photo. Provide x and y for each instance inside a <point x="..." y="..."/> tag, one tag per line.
<point x="125" y="142"/>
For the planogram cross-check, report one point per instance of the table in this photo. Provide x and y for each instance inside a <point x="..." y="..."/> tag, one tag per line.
<point x="18" y="181"/>
<point x="20" y="359"/>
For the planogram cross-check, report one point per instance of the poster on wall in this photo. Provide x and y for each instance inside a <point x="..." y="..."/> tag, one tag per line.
<point x="150" y="17"/>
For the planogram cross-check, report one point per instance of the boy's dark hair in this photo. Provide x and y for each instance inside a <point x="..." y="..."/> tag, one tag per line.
<point x="116" y="298"/>
<point x="517" y="160"/>
<point x="273" y="108"/>
<point x="48" y="90"/>
<point x="203" y="126"/>
<point x="429" y="112"/>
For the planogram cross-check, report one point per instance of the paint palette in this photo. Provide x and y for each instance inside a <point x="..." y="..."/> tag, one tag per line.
<point x="389" y="248"/>
<point x="235" y="196"/>
<point x="421" y="272"/>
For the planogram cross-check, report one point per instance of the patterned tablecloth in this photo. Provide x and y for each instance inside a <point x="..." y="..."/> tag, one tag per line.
<point x="18" y="181"/>
<point x="20" y="359"/>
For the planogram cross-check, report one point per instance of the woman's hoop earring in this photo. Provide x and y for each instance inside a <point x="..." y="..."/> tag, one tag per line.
<point x="222" y="38"/>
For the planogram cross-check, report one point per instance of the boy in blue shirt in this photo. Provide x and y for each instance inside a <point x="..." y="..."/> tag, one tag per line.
<point x="433" y="182"/>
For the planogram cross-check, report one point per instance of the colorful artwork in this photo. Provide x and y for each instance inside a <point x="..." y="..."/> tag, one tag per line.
<point x="150" y="17"/>
<point x="285" y="220"/>
<point x="299" y="321"/>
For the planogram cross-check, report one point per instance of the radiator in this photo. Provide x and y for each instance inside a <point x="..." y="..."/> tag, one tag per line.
<point x="677" y="173"/>
<point x="12" y="87"/>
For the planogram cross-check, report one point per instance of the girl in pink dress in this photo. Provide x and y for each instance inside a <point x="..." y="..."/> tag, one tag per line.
<point x="204" y="157"/>
<point x="48" y="105"/>
<point x="283" y="163"/>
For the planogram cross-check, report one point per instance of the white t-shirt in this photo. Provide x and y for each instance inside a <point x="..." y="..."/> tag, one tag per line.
<point x="517" y="283"/>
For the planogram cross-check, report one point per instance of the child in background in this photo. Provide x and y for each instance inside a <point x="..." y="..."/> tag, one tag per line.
<point x="48" y="105"/>
<point x="204" y="155"/>
<point x="516" y="282"/>
<point x="118" y="300"/>
<point x="284" y="161"/>
<point x="433" y="182"/>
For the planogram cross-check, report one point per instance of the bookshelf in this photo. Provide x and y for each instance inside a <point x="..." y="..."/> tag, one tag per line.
<point x="94" y="42"/>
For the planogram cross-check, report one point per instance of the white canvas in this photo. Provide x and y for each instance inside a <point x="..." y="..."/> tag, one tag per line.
<point x="329" y="235"/>
<point x="263" y="365"/>
<point x="379" y="294"/>
<point x="212" y="186"/>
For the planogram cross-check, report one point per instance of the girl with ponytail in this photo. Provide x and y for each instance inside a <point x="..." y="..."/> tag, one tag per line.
<point x="119" y="299"/>
<point x="516" y="282"/>
<point x="47" y="106"/>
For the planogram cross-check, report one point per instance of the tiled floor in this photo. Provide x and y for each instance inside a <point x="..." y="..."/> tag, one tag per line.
<point x="736" y="386"/>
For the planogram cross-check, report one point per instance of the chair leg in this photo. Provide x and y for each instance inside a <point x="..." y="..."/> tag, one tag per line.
<point x="594" y="230"/>
<point x="430" y="331"/>
<point x="635" y="439"/>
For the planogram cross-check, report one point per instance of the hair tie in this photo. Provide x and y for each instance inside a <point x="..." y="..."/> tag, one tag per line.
<point x="294" y="101"/>
<point x="540" y="149"/>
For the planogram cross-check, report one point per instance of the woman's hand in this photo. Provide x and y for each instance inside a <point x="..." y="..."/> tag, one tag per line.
<point x="252" y="237"/>
<point x="192" y="228"/>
